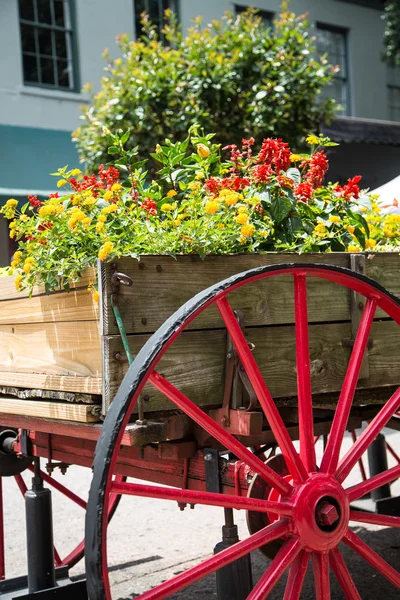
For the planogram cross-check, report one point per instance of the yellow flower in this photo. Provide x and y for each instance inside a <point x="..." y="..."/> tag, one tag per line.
<point x="105" y="250"/>
<point x="61" y="182"/>
<point x="75" y="172"/>
<point x="295" y="158"/>
<point x="17" y="257"/>
<point x="171" y="193"/>
<point x="27" y="266"/>
<point x="87" y="221"/>
<point x="23" y="218"/>
<point x="116" y="187"/>
<point x="221" y="226"/>
<point x="13" y="225"/>
<point x="77" y="200"/>
<point x="99" y="227"/>
<point x="312" y="140"/>
<point x="199" y="175"/>
<point x="194" y="186"/>
<point x="242" y="218"/>
<point x="350" y="228"/>
<point x="370" y="243"/>
<point x="264" y="233"/>
<point x="95" y="295"/>
<point x="320" y="230"/>
<point x="353" y="248"/>
<point x="11" y="203"/>
<point x="102" y="218"/>
<point x="177" y="222"/>
<point x="242" y="209"/>
<point x="158" y="149"/>
<point x="334" y="219"/>
<point x="243" y="239"/>
<point x="203" y="151"/>
<point x="108" y="195"/>
<point x="247" y="230"/>
<point x="211" y="207"/>
<point x="18" y="281"/>
<point x="229" y="197"/>
<point x="109" y="209"/>
<point x="29" y="259"/>
<point x="89" y="201"/>
<point x="47" y="210"/>
<point x="167" y="207"/>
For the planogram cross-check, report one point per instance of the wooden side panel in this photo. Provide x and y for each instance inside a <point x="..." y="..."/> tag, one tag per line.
<point x="8" y="291"/>
<point x="49" y="410"/>
<point x="50" y="351"/>
<point x="161" y="284"/>
<point x="195" y="362"/>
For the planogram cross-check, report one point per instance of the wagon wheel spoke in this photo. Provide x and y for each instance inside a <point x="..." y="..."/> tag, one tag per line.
<point x="365" y="487"/>
<point x="219" y="433"/>
<point x="263" y="394"/>
<point x="306" y="422"/>
<point x="57" y="558"/>
<point x="365" y="517"/>
<point x="331" y="455"/>
<point x="219" y="560"/>
<point x="368" y="436"/>
<point x="320" y="563"/>
<point x="343" y="576"/>
<point x="61" y="488"/>
<point x="296" y="577"/>
<point x="353" y="541"/>
<point x="206" y="498"/>
<point x="276" y="569"/>
<point x="392" y="452"/>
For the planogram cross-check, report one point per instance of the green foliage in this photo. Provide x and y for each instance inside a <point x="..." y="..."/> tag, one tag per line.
<point x="234" y="77"/>
<point x="392" y="33"/>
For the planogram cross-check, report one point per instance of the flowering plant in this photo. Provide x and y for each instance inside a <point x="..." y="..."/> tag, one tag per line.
<point x="200" y="203"/>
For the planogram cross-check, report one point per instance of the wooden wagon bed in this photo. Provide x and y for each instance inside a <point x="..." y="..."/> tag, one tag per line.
<point x="67" y="344"/>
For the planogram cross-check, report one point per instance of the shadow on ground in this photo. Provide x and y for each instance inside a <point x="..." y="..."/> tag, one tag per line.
<point x="370" y="584"/>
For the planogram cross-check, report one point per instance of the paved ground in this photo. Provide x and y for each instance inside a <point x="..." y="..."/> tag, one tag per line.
<point x="150" y="541"/>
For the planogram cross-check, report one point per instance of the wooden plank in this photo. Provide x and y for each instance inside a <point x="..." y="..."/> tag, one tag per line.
<point x="195" y="362"/>
<point x="59" y="349"/>
<point x="77" y="305"/>
<point x="86" y="385"/>
<point x="8" y="291"/>
<point x="161" y="284"/>
<point x="384" y="267"/>
<point x="50" y="410"/>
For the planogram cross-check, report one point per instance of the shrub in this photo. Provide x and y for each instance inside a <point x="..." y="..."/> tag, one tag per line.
<point x="234" y="77"/>
<point x="199" y="204"/>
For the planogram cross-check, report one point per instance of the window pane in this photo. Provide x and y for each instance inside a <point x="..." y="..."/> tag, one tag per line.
<point x="30" y="69"/>
<point x="47" y="71"/>
<point x="28" y="38"/>
<point x="45" y="45"/>
<point x="63" y="70"/>
<point x="26" y="10"/>
<point x="333" y="44"/>
<point x="61" y="44"/>
<point x="44" y="11"/>
<point x="59" y="16"/>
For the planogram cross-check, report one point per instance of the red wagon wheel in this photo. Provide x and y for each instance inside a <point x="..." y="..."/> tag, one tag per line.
<point x="311" y="511"/>
<point x="76" y="554"/>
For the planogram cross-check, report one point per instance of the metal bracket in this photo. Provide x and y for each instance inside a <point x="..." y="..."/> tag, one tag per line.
<point x="357" y="264"/>
<point x="211" y="469"/>
<point x="236" y="379"/>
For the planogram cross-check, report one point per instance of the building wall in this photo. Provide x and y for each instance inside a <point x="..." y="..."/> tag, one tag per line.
<point x="368" y="85"/>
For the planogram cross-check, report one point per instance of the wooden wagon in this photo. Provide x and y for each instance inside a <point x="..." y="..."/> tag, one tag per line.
<point x="236" y="357"/>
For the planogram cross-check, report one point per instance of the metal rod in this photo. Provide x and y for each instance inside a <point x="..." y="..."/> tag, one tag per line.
<point x="378" y="463"/>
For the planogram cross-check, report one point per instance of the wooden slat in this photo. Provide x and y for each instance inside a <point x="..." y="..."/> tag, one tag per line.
<point x="50" y="410"/>
<point x="161" y="284"/>
<point x="56" y="356"/>
<point x="86" y="385"/>
<point x="195" y="362"/>
<point x="385" y="268"/>
<point x="77" y="305"/>
<point x="8" y="291"/>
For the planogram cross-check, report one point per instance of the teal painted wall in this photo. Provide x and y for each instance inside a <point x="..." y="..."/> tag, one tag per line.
<point x="28" y="155"/>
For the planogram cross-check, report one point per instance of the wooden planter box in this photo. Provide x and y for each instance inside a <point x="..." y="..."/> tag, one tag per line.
<point x="66" y="343"/>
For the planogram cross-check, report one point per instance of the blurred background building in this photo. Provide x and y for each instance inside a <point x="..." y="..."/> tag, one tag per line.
<point x="50" y="48"/>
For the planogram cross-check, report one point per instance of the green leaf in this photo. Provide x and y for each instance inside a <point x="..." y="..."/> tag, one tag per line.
<point x="294" y="175"/>
<point x="280" y="208"/>
<point x="113" y="150"/>
<point x="125" y="137"/>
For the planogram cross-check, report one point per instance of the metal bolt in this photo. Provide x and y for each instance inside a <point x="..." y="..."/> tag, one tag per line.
<point x="117" y="355"/>
<point x="361" y="305"/>
<point x="159" y="268"/>
<point x="141" y="266"/>
<point x="208" y="456"/>
<point x="113" y="266"/>
<point x="327" y="514"/>
<point x="144" y="321"/>
<point x="146" y="398"/>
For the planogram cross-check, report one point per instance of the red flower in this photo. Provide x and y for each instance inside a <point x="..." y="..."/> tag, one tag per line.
<point x="149" y="206"/>
<point x="109" y="176"/>
<point x="304" y="191"/>
<point x="213" y="185"/>
<point x="317" y="167"/>
<point x="55" y="195"/>
<point x="350" y="189"/>
<point x="285" y="181"/>
<point x="236" y="183"/>
<point x="34" y="202"/>
<point x="262" y="173"/>
<point x="276" y="153"/>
